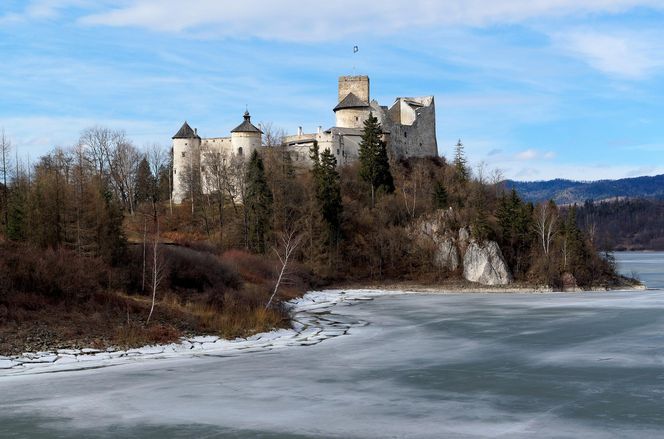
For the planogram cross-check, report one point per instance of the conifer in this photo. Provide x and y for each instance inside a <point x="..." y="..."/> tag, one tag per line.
<point x="374" y="162"/>
<point x="258" y="203"/>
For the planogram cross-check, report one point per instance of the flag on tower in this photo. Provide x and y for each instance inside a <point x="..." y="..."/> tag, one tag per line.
<point x="356" y="49"/>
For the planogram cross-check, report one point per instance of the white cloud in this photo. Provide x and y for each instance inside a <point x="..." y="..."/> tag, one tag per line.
<point x="534" y="154"/>
<point x="625" y="55"/>
<point x="304" y="20"/>
<point x="528" y="154"/>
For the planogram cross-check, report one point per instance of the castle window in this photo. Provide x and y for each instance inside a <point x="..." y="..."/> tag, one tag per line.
<point x="175" y="171"/>
<point x="357" y="118"/>
<point x="337" y="151"/>
<point x="405" y="134"/>
<point x="239" y="151"/>
<point x="184" y="154"/>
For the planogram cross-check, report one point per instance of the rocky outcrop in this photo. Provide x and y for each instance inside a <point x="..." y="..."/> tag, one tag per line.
<point x="433" y="233"/>
<point x="453" y="249"/>
<point x="446" y="255"/>
<point x="484" y="263"/>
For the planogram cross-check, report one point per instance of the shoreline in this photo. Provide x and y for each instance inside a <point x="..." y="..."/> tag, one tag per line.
<point x="312" y="321"/>
<point x="461" y="287"/>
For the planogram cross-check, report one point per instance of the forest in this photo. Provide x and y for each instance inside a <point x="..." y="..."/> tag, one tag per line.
<point x="627" y="224"/>
<point x="94" y="252"/>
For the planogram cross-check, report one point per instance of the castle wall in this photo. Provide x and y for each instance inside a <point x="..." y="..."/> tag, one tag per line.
<point x="358" y="85"/>
<point x="418" y="139"/>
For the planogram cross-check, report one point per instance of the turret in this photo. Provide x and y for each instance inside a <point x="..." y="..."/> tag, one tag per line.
<point x="186" y="156"/>
<point x="353" y="107"/>
<point x="246" y="138"/>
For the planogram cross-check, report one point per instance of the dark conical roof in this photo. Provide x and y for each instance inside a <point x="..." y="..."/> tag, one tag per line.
<point x="246" y="126"/>
<point x="351" y="101"/>
<point x="186" y="132"/>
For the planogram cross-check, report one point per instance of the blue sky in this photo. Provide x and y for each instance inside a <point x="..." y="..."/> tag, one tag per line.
<point x="537" y="88"/>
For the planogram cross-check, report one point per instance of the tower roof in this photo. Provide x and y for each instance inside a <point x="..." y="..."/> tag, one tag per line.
<point x="246" y="126"/>
<point x="186" y="132"/>
<point x="351" y="101"/>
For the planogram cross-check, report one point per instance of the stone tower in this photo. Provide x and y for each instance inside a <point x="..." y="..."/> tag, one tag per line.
<point x="354" y="98"/>
<point x="186" y="156"/>
<point x="246" y="138"/>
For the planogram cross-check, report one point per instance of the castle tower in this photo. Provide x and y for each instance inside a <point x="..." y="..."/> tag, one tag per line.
<point x="353" y="107"/>
<point x="246" y="138"/>
<point x="186" y="156"/>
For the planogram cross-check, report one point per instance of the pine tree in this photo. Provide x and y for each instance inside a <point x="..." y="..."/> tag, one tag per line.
<point x="460" y="163"/>
<point x="374" y="162"/>
<point x="258" y="203"/>
<point x="516" y="230"/>
<point x="145" y="183"/>
<point x="328" y="193"/>
<point x="440" y="197"/>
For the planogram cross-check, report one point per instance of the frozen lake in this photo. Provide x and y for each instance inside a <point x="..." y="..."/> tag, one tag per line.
<point x="430" y="366"/>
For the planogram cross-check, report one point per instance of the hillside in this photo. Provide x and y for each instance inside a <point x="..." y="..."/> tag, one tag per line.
<point x="630" y="224"/>
<point x="570" y="192"/>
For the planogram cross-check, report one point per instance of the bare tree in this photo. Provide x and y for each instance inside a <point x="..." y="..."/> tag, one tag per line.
<point x="496" y="179"/>
<point x="216" y="177"/>
<point x="272" y="136"/>
<point x="5" y="148"/>
<point x="97" y="141"/>
<point x="123" y="160"/>
<point x="157" y="159"/>
<point x="157" y="269"/>
<point x="546" y="219"/>
<point x="411" y="187"/>
<point x="289" y="241"/>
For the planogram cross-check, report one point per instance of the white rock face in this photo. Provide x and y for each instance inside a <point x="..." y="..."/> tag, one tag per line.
<point x="484" y="264"/>
<point x="433" y="233"/>
<point x="446" y="255"/>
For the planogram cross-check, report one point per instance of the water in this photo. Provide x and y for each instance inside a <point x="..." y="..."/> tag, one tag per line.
<point x="648" y="267"/>
<point x="428" y="366"/>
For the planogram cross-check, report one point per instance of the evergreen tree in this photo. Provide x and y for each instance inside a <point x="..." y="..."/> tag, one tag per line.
<point x="16" y="219"/>
<point x="258" y="203"/>
<point x="145" y="183"/>
<point x="440" y="197"/>
<point x="374" y="162"/>
<point x="516" y="230"/>
<point x="328" y="191"/>
<point x="460" y="163"/>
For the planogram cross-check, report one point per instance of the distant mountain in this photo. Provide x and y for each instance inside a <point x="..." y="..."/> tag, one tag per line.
<point x="570" y="192"/>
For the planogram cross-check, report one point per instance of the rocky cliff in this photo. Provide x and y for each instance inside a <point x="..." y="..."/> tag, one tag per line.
<point x="455" y="250"/>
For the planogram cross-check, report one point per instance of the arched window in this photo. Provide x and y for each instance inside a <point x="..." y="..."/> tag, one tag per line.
<point x="239" y="151"/>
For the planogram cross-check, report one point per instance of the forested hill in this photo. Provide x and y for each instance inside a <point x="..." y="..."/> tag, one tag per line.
<point x="630" y="224"/>
<point x="570" y="192"/>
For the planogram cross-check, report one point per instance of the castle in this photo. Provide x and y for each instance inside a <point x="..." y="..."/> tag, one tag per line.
<point x="409" y="130"/>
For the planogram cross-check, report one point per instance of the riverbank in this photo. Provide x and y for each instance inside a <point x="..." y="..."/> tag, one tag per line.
<point x="457" y="286"/>
<point x="313" y="320"/>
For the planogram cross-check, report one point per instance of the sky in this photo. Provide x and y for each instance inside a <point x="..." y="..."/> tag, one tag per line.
<point x="538" y="89"/>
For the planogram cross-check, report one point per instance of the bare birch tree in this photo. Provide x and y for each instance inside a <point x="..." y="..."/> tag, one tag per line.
<point x="546" y="220"/>
<point x="157" y="271"/>
<point x="289" y="242"/>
